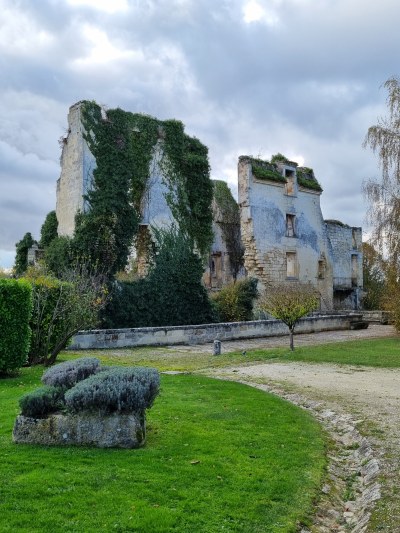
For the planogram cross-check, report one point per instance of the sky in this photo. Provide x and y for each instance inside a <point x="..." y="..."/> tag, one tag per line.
<point x="247" y="77"/>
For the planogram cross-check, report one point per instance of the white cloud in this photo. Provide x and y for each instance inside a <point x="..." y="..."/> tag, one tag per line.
<point x="22" y="36"/>
<point x="253" y="11"/>
<point x="101" y="49"/>
<point x="108" y="6"/>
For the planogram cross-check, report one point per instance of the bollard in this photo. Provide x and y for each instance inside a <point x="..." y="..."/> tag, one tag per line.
<point x="217" y="347"/>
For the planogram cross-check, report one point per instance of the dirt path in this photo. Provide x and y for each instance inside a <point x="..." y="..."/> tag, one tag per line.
<point x="370" y="395"/>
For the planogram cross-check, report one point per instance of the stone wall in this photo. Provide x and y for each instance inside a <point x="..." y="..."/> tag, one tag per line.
<point x="266" y="206"/>
<point x="164" y="336"/>
<point x="77" y="165"/>
<point x="346" y="245"/>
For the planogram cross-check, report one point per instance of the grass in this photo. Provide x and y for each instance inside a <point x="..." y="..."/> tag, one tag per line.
<point x="220" y="456"/>
<point x="383" y="353"/>
<point x="380" y="353"/>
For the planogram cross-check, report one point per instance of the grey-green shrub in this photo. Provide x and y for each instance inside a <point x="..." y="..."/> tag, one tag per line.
<point x="70" y="373"/>
<point x="15" y="313"/>
<point x="118" y="390"/>
<point x="42" y="402"/>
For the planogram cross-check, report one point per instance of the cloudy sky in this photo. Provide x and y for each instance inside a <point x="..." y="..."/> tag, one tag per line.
<point x="255" y="77"/>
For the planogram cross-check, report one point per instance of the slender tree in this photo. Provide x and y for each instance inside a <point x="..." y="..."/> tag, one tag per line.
<point x="289" y="303"/>
<point x="21" y="257"/>
<point x="384" y="194"/>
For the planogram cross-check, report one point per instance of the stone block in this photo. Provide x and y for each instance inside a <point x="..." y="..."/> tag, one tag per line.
<point x="111" y="431"/>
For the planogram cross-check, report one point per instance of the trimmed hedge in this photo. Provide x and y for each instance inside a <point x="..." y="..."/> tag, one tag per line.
<point x="15" y="313"/>
<point x="42" y="402"/>
<point x="70" y="373"/>
<point x="118" y="390"/>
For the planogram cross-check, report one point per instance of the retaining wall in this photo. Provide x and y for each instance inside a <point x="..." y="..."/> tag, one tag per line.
<point x="161" y="336"/>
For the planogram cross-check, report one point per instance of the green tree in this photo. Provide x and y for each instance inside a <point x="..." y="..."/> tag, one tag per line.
<point x="289" y="303"/>
<point x="58" y="255"/>
<point x="373" y="277"/>
<point x="171" y="294"/>
<point x="21" y="257"/>
<point x="48" y="231"/>
<point x="384" y="194"/>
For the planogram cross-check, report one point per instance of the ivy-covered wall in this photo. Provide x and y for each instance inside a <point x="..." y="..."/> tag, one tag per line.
<point x="125" y="147"/>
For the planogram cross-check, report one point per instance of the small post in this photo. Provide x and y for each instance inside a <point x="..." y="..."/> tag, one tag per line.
<point x="217" y="347"/>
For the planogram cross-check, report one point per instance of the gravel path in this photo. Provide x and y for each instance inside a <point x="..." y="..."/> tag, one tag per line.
<point x="370" y="395"/>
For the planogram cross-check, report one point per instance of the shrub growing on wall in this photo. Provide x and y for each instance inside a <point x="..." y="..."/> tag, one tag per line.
<point x="234" y="302"/>
<point x="15" y="312"/>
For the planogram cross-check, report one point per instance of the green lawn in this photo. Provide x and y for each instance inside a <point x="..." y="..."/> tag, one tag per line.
<point x="220" y="456"/>
<point x="384" y="352"/>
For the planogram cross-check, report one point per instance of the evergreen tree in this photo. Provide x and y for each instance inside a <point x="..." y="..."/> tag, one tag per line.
<point x="21" y="258"/>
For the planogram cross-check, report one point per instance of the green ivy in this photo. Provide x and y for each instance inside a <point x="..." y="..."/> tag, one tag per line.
<point x="230" y="224"/>
<point x="124" y="145"/>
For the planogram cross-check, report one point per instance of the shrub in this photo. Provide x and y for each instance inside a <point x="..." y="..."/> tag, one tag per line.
<point x="70" y="373"/>
<point x="118" y="390"/>
<point x="49" y="297"/>
<point x="61" y="309"/>
<point x="42" y="401"/>
<point x="172" y="293"/>
<point x="234" y="302"/>
<point x="15" y="312"/>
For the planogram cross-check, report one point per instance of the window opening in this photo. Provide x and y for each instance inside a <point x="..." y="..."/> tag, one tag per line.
<point x="290" y="232"/>
<point x="291" y="270"/>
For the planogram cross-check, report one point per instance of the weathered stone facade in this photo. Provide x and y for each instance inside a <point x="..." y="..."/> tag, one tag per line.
<point x="287" y="240"/>
<point x="284" y="235"/>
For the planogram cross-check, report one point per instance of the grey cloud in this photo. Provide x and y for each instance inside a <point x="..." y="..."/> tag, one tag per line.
<point x="308" y="86"/>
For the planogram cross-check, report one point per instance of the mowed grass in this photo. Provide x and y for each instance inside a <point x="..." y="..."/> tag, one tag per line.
<point x="220" y="456"/>
<point x="383" y="352"/>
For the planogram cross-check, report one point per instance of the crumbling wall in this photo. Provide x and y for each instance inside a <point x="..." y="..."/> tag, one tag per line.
<point x="283" y="230"/>
<point x="77" y="165"/>
<point x="346" y="244"/>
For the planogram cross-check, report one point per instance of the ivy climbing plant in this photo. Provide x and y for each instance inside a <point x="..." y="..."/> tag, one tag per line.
<point x="229" y="221"/>
<point x="126" y="146"/>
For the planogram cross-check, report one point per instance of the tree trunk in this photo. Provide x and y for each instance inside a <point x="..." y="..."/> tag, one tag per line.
<point x="291" y="331"/>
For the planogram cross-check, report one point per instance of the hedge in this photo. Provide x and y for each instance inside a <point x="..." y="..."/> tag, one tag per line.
<point x="15" y="312"/>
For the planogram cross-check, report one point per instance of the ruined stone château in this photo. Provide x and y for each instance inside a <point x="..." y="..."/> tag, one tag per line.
<point x="286" y="238"/>
<point x="284" y="235"/>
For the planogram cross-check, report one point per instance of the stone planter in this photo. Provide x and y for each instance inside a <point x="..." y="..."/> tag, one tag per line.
<point x="111" y="431"/>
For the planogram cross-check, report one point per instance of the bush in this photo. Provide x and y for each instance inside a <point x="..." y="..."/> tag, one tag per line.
<point x="234" y="302"/>
<point x="41" y="402"/>
<point x="171" y="295"/>
<point x="119" y="390"/>
<point x="70" y="373"/>
<point x="49" y="296"/>
<point x="61" y="309"/>
<point x="15" y="312"/>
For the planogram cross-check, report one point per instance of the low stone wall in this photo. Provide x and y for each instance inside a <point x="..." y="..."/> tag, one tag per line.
<point x="379" y="317"/>
<point x="164" y="336"/>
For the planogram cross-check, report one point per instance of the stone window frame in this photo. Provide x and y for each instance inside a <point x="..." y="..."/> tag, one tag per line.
<point x="293" y="274"/>
<point x="291" y="225"/>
